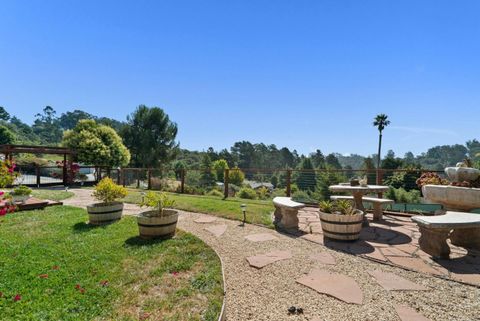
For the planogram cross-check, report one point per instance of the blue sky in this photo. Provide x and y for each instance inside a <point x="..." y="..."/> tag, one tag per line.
<point x="301" y="74"/>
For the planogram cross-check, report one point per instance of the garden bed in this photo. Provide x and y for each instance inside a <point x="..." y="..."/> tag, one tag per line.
<point x="54" y="266"/>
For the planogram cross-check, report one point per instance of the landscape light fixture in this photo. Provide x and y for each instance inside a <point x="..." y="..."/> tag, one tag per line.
<point x="244" y="211"/>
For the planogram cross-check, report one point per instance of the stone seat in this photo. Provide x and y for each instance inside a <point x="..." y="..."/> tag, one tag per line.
<point x="377" y="203"/>
<point x="286" y="212"/>
<point x="463" y="229"/>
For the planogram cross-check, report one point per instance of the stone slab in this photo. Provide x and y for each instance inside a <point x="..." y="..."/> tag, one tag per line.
<point x="262" y="237"/>
<point x="217" y="230"/>
<point x="393" y="282"/>
<point x="338" y="286"/>
<point x="449" y="220"/>
<point x="409" y="314"/>
<point x="287" y="202"/>
<point x="324" y="258"/>
<point x="392" y="251"/>
<point x="260" y="261"/>
<point x="413" y="263"/>
<point x="205" y="220"/>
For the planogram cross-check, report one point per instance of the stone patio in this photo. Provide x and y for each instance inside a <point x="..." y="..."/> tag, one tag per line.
<point x="394" y="240"/>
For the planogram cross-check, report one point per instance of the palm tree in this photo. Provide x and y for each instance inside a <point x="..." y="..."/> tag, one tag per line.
<point x="381" y="121"/>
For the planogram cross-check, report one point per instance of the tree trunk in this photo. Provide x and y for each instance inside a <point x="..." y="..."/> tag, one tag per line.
<point x="379" y="157"/>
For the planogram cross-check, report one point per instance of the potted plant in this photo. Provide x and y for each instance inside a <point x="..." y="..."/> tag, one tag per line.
<point x="21" y="194"/>
<point x="160" y="222"/>
<point x="108" y="210"/>
<point x="340" y="220"/>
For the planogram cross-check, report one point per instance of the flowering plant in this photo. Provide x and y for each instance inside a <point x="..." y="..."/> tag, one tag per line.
<point x="7" y="173"/>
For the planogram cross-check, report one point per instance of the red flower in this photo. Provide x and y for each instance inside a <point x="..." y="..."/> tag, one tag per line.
<point x="43" y="276"/>
<point x="104" y="283"/>
<point x="2" y="193"/>
<point x="17" y="298"/>
<point x="175" y="273"/>
<point x="82" y="290"/>
<point x="55" y="267"/>
<point x="3" y="211"/>
<point x="78" y="286"/>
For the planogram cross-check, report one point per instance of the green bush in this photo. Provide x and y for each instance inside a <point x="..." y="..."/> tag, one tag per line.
<point x="247" y="193"/>
<point x="303" y="197"/>
<point x="400" y="195"/>
<point x="263" y="193"/>
<point x="21" y="190"/>
<point x="215" y="192"/>
<point x="107" y="191"/>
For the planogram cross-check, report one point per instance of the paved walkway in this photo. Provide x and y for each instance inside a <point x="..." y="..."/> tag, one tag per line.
<point x="394" y="240"/>
<point x="268" y="272"/>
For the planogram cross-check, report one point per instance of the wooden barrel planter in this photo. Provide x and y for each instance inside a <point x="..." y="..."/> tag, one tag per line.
<point x="104" y="213"/>
<point x="152" y="227"/>
<point x="342" y="227"/>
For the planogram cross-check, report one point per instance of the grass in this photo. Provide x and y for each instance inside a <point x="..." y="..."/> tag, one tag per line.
<point x="258" y="212"/>
<point x="64" y="269"/>
<point x="51" y="194"/>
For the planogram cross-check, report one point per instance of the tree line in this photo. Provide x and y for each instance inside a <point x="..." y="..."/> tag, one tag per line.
<point x="148" y="135"/>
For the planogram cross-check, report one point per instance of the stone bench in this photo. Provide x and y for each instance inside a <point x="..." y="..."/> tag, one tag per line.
<point x="463" y="229"/>
<point x="286" y="212"/>
<point x="377" y="203"/>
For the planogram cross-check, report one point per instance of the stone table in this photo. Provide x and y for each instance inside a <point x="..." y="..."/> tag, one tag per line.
<point x="358" y="192"/>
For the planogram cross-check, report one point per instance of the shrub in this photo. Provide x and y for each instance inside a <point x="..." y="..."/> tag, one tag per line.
<point x="400" y="195"/>
<point x="344" y="207"/>
<point x="302" y="197"/>
<point x="247" y="193"/>
<point x="107" y="191"/>
<point x="7" y="173"/>
<point x="263" y="193"/>
<point x="431" y="179"/>
<point x="21" y="191"/>
<point x="215" y="192"/>
<point x="157" y="201"/>
<point x="236" y="176"/>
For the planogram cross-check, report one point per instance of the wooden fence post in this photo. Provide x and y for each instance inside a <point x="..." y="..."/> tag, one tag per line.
<point x="226" y="179"/>
<point x="37" y="173"/>
<point x="289" y="182"/>
<point x="138" y="177"/>
<point x="182" y="177"/>
<point x="149" y="179"/>
<point x="123" y="176"/>
<point x="65" y="183"/>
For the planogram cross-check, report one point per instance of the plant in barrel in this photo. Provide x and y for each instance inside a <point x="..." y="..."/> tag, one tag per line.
<point x="160" y="222"/>
<point x="340" y="220"/>
<point x="109" y="209"/>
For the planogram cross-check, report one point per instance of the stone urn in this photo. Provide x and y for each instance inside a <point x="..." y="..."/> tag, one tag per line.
<point x="462" y="174"/>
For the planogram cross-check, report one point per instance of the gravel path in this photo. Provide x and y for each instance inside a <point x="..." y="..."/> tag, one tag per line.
<point x="266" y="294"/>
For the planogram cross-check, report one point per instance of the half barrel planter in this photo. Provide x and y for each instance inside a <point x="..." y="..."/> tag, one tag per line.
<point x="152" y="226"/>
<point x="342" y="227"/>
<point x="104" y="213"/>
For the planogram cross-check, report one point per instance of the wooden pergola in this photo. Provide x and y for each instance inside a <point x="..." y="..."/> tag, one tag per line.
<point x="8" y="150"/>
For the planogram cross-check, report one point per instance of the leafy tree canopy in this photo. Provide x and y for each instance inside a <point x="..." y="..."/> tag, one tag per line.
<point x="96" y="144"/>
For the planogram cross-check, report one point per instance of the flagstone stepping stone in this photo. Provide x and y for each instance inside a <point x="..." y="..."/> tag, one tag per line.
<point x="205" y="220"/>
<point x="217" y="230"/>
<point x="260" y="261"/>
<point x="393" y="282"/>
<point x="413" y="263"/>
<point x="376" y="255"/>
<point x="338" y="286"/>
<point x="262" y="237"/>
<point x="409" y="314"/>
<point x="392" y="251"/>
<point x="324" y="258"/>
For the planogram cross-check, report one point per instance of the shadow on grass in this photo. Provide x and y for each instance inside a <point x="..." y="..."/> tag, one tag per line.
<point x="83" y="227"/>
<point x="138" y="241"/>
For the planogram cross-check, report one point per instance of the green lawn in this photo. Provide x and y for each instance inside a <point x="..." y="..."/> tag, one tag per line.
<point x="63" y="269"/>
<point x="258" y="212"/>
<point x="51" y="194"/>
